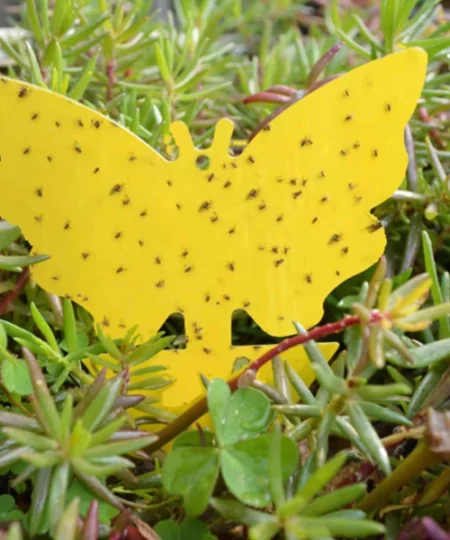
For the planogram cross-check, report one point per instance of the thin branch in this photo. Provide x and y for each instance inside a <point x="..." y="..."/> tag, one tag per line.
<point x="12" y="295"/>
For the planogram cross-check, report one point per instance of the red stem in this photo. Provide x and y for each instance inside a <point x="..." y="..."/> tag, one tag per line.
<point x="266" y="97"/>
<point x="200" y="407"/>
<point x="434" y="133"/>
<point x="322" y="63"/>
<point x="282" y="89"/>
<point x="12" y="295"/>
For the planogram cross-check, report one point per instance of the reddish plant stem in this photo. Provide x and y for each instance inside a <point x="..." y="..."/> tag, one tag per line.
<point x="434" y="133"/>
<point x="267" y="97"/>
<point x="282" y="89"/>
<point x="12" y="295"/>
<point x="200" y="407"/>
<point x="322" y="63"/>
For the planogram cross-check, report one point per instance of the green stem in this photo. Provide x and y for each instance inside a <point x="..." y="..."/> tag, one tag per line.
<point x="436" y="488"/>
<point x="421" y="458"/>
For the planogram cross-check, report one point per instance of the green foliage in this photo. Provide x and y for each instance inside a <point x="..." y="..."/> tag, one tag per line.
<point x="241" y="452"/>
<point x="62" y="418"/>
<point x="188" y="529"/>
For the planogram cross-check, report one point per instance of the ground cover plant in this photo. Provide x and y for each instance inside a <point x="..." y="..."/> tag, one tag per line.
<point x="363" y="452"/>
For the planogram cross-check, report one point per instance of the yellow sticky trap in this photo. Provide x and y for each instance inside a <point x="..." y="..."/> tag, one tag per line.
<point x="133" y="237"/>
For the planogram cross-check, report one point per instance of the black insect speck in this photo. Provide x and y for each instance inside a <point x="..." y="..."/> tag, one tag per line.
<point x="80" y="122"/>
<point x="206" y="350"/>
<point x="57" y="124"/>
<point x="274" y="249"/>
<point x="49" y="159"/>
<point x="35" y="116"/>
<point x="120" y="270"/>
<point x="324" y="199"/>
<point x="188" y="269"/>
<point x="207" y="297"/>
<point x="96" y="170"/>
<point x="346" y="93"/>
<point x="251" y="159"/>
<point x="344" y="250"/>
<point x="96" y="123"/>
<point x="227" y="184"/>
<point x="252" y="194"/>
<point x="232" y="230"/>
<point x="185" y="253"/>
<point x="143" y="213"/>
<point x="335" y="238"/>
<point x="38" y="219"/>
<point x="338" y="273"/>
<point x="308" y="278"/>
<point x="169" y="183"/>
<point x="160" y="284"/>
<point x="77" y="148"/>
<point x="118" y="235"/>
<point x="314" y="220"/>
<point x="105" y="321"/>
<point x="117" y="188"/>
<point x="374" y="227"/>
<point x="375" y="153"/>
<point x="231" y="266"/>
<point x="356" y="145"/>
<point x="348" y="118"/>
<point x="343" y="152"/>
<point x="278" y="262"/>
<point x="210" y="177"/>
<point x="306" y="141"/>
<point x="297" y="194"/>
<point x="67" y="225"/>
<point x="351" y="186"/>
<point x="214" y="218"/>
<point x="125" y="201"/>
<point x="22" y="92"/>
<point x="85" y="255"/>
<point x="132" y="157"/>
<point x="246" y="304"/>
<point x="206" y="205"/>
<point x="262" y="206"/>
<point x="141" y="242"/>
<point x="55" y="278"/>
<point x="39" y="192"/>
<point x="279" y="218"/>
<point x="388" y="107"/>
<point x="26" y="150"/>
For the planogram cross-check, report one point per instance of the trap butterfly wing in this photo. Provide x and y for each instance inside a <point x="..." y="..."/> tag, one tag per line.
<point x="133" y="237"/>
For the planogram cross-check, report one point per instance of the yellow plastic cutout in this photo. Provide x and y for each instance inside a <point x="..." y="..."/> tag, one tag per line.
<point x="134" y="238"/>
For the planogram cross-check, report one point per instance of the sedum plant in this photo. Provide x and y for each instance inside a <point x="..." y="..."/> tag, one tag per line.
<point x="364" y="451"/>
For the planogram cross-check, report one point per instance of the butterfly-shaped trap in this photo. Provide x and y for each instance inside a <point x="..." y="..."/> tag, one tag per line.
<point x="134" y="238"/>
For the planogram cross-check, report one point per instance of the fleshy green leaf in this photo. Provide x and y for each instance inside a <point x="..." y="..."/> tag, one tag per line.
<point x="16" y="377"/>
